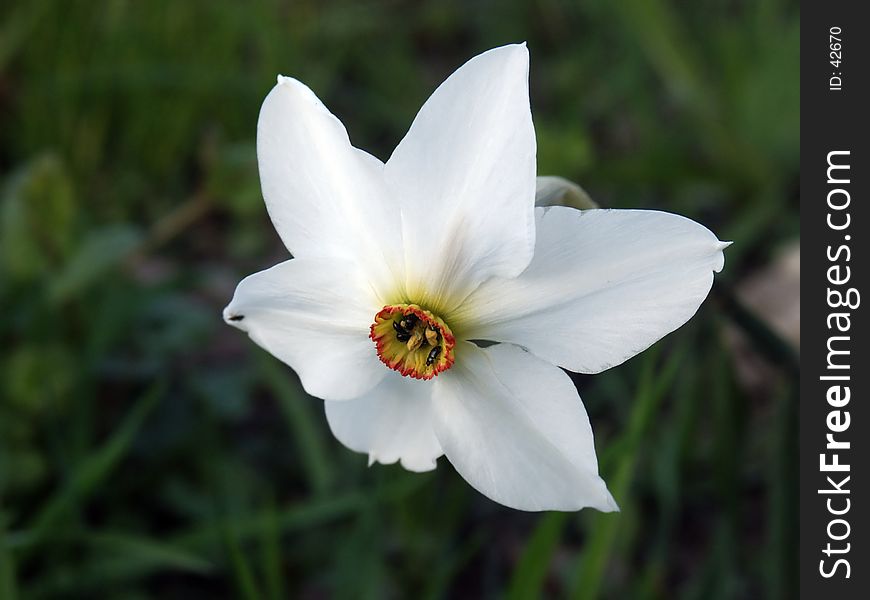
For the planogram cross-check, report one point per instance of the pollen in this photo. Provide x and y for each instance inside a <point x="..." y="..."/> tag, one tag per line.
<point x="413" y="341"/>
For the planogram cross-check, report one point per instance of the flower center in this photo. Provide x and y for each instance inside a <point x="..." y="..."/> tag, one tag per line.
<point x="413" y="341"/>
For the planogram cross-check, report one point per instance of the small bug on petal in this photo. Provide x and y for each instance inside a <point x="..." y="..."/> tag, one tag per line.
<point x="433" y="356"/>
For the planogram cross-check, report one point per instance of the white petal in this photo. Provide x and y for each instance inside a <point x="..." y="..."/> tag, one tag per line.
<point x="325" y="197"/>
<point x="313" y="314"/>
<point x="391" y="422"/>
<point x="514" y="427"/>
<point x="552" y="190"/>
<point x="603" y="286"/>
<point x="465" y="174"/>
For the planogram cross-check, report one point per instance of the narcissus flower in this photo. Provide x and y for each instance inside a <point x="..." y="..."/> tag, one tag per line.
<point x="401" y="269"/>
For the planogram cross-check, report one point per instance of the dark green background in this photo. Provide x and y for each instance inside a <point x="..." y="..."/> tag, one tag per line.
<point x="147" y="450"/>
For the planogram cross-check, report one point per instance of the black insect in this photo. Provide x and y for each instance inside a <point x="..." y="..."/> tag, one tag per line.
<point x="399" y="329"/>
<point x="408" y="322"/>
<point x="433" y="356"/>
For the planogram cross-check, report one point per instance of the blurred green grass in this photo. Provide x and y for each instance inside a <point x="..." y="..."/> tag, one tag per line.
<point x="147" y="450"/>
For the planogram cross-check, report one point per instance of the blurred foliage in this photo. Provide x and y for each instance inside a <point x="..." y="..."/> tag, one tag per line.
<point x="147" y="450"/>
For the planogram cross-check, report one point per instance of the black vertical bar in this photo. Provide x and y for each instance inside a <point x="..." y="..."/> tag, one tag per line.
<point x="835" y="223"/>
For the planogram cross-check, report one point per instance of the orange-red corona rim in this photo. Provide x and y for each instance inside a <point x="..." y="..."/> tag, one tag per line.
<point x="413" y="341"/>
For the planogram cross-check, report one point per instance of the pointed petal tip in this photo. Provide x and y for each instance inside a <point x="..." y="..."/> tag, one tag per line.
<point x="519" y="51"/>
<point x="522" y="49"/>
<point x="720" y="256"/>
<point x="610" y="504"/>
<point x="233" y="317"/>
<point x="290" y="87"/>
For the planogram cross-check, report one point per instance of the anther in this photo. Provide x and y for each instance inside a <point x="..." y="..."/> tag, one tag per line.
<point x="416" y="341"/>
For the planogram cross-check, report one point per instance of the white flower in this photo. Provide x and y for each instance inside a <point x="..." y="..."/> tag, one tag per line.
<point x="398" y="267"/>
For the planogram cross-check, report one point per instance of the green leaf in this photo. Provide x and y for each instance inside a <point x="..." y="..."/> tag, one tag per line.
<point x="242" y="569"/>
<point x="8" y="584"/>
<point x="531" y="571"/>
<point x="270" y="545"/>
<point x="96" y="256"/>
<point x="91" y="472"/>
<point x="118" y="558"/>
<point x="304" y="515"/>
<point x="605" y="528"/>
<point x="156" y="555"/>
<point x="36" y="218"/>
<point x="307" y="431"/>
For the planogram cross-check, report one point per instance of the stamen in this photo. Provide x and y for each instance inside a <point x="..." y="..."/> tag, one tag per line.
<point x="431" y="336"/>
<point x="416" y="341"/>
<point x="413" y="341"/>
